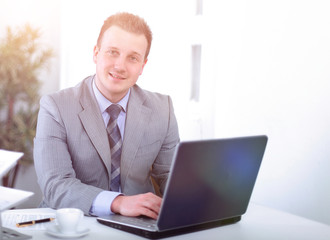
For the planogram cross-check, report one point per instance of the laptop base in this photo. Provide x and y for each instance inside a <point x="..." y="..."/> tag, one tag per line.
<point x="170" y="233"/>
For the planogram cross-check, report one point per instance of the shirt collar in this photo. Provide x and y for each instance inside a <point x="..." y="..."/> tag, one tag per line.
<point x="104" y="103"/>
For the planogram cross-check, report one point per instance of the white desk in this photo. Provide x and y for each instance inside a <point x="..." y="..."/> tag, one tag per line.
<point x="258" y="223"/>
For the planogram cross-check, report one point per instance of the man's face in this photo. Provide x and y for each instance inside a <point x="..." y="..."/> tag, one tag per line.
<point x="119" y="60"/>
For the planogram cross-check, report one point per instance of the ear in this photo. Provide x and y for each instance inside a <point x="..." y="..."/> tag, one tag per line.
<point x="95" y="53"/>
<point x="145" y="62"/>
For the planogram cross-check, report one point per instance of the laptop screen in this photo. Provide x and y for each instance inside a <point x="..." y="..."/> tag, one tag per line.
<point x="211" y="180"/>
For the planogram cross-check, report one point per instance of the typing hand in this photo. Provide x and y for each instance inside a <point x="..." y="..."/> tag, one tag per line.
<point x="147" y="204"/>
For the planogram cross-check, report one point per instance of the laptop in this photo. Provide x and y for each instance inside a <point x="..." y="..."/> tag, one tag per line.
<point x="210" y="184"/>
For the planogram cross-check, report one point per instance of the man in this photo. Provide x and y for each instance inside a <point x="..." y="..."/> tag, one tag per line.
<point x="81" y="159"/>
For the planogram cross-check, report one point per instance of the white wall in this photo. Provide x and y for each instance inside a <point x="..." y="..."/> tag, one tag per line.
<point x="273" y="78"/>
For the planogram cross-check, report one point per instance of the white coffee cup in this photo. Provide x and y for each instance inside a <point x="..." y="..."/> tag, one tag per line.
<point x="68" y="219"/>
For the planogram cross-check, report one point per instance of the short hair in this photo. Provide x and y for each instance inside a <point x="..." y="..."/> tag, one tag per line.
<point x="129" y="22"/>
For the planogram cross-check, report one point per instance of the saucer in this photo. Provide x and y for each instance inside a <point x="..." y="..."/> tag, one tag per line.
<point x="55" y="231"/>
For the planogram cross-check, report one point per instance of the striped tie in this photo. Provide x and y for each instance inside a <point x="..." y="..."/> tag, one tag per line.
<point x="115" y="145"/>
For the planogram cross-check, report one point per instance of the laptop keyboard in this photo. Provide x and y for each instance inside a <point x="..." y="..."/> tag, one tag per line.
<point x="143" y="222"/>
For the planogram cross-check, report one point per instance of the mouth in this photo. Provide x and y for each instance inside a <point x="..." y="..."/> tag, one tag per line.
<point x="116" y="76"/>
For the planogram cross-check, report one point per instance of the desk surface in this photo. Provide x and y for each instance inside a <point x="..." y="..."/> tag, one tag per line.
<point x="258" y="223"/>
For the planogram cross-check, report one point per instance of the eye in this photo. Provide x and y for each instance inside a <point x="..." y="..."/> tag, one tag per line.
<point x="113" y="52"/>
<point x="134" y="58"/>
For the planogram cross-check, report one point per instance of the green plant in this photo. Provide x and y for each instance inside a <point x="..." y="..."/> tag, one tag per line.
<point x="22" y="57"/>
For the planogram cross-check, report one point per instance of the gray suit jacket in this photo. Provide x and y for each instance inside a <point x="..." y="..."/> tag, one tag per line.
<point x="71" y="148"/>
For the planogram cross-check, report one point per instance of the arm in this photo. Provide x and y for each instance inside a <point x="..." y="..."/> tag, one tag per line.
<point x="149" y="204"/>
<point x="53" y="162"/>
<point x="162" y="164"/>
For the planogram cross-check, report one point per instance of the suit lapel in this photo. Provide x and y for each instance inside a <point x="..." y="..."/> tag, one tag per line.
<point x="93" y="123"/>
<point x="137" y="117"/>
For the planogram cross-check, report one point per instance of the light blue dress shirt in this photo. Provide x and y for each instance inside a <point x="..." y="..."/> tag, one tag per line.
<point x="102" y="202"/>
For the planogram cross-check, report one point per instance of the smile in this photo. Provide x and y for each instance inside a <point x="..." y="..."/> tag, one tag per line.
<point x="113" y="75"/>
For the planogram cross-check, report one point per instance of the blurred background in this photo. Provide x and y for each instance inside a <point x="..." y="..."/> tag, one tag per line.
<point x="232" y="68"/>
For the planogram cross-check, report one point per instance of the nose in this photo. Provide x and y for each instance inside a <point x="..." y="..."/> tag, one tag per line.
<point x="120" y="64"/>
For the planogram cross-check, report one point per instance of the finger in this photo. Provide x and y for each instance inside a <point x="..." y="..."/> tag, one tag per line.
<point x="143" y="204"/>
<point x="149" y="213"/>
<point x="152" y="202"/>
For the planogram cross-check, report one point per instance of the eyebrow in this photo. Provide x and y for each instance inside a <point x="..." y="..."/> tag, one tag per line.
<point x="136" y="53"/>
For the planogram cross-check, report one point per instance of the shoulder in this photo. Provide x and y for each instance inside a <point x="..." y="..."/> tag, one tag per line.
<point x="69" y="95"/>
<point x="150" y="99"/>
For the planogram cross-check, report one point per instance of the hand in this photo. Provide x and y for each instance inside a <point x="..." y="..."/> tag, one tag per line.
<point x="147" y="204"/>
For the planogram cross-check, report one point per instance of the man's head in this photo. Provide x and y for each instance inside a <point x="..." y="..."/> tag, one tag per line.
<point x="130" y="23"/>
<point x="121" y="54"/>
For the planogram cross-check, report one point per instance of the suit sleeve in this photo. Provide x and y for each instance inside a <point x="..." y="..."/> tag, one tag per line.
<point x="53" y="164"/>
<point x="162" y="164"/>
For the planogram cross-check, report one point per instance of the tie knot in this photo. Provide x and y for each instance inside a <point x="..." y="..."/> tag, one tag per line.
<point x="113" y="110"/>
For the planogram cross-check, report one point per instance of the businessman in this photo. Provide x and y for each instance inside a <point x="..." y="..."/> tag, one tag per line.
<point x="99" y="143"/>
